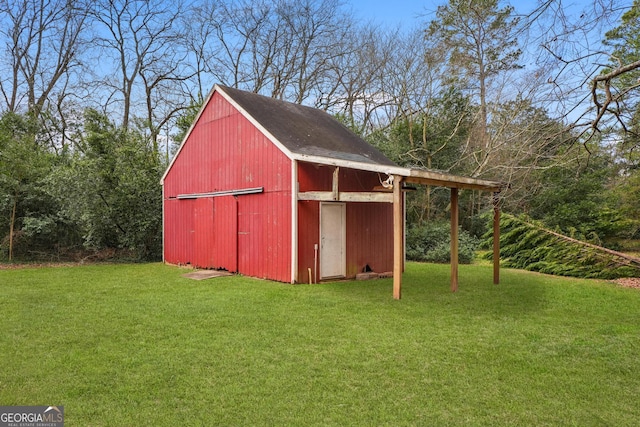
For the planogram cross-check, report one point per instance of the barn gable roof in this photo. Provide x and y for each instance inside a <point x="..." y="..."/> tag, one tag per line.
<point x="312" y="135"/>
<point x="306" y="133"/>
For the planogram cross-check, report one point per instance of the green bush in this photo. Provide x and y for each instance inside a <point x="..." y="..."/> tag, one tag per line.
<point x="431" y="242"/>
<point x="527" y="244"/>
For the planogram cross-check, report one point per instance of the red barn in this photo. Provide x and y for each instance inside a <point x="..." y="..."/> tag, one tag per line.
<point x="281" y="191"/>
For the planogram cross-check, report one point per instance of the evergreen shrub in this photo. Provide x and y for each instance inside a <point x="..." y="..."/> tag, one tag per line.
<point x="431" y="242"/>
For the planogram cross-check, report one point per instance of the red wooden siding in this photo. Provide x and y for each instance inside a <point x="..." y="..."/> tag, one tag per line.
<point x="308" y="236"/>
<point x="369" y="237"/>
<point x="225" y="233"/>
<point x="178" y="231"/>
<point x="225" y="151"/>
<point x="369" y="225"/>
<point x="264" y="236"/>
<point x="314" y="177"/>
<point x="250" y="234"/>
<point x="320" y="178"/>
<point x="203" y="235"/>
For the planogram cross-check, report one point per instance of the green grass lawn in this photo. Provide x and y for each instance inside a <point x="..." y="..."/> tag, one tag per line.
<point x="138" y="345"/>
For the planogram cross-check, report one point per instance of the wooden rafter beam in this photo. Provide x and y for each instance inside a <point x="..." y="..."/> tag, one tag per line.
<point x="452" y="181"/>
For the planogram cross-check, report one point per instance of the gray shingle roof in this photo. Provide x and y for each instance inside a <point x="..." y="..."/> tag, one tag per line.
<point x="307" y="131"/>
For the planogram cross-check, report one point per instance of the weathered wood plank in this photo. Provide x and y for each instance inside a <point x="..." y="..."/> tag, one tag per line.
<point x="348" y="196"/>
<point x="452" y="181"/>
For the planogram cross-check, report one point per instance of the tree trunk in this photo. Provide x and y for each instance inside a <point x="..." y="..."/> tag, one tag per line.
<point x="12" y="222"/>
<point x="428" y="192"/>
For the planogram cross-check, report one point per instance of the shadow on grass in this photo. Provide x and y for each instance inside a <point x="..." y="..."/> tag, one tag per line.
<point x="428" y="286"/>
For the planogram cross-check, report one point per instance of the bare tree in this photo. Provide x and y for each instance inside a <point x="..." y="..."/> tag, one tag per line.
<point x="42" y="42"/>
<point x="619" y="82"/>
<point x="354" y="86"/>
<point x="575" y="68"/>
<point x="237" y="27"/>
<point x="414" y="76"/>
<point x="139" y="43"/>
<point x="279" y="48"/>
<point x="315" y="29"/>
<point x="201" y="23"/>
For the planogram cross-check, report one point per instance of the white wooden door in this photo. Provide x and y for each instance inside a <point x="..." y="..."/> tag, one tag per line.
<point x="333" y="240"/>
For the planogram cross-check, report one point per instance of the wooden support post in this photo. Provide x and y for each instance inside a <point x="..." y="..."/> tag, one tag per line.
<point x="334" y="183"/>
<point x="496" y="238"/>
<point x="454" y="239"/>
<point x="398" y="237"/>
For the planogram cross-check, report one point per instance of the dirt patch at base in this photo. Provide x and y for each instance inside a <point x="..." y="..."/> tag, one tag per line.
<point x="206" y="274"/>
<point x="628" y="282"/>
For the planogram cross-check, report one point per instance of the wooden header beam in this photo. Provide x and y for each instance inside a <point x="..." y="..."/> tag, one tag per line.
<point x="335" y="195"/>
<point x="346" y="196"/>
